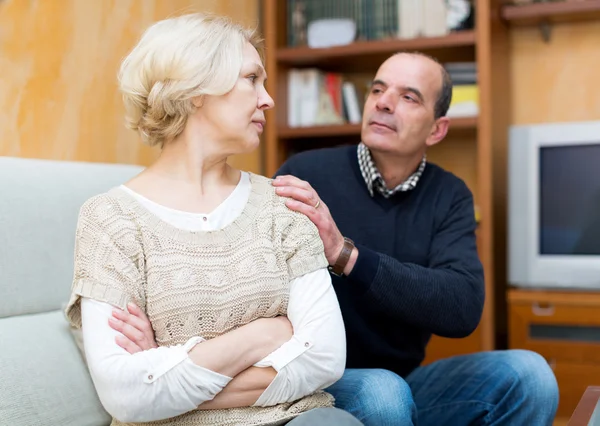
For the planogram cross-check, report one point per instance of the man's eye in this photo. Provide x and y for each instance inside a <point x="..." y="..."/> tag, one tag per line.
<point x="408" y="98"/>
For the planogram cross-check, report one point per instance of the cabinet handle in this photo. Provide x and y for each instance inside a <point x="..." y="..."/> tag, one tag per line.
<point x="542" y="311"/>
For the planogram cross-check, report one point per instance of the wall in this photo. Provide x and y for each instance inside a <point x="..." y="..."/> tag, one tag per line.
<point x="559" y="80"/>
<point x="59" y="60"/>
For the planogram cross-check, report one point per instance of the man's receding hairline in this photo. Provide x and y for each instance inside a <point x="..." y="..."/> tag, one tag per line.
<point x="419" y="55"/>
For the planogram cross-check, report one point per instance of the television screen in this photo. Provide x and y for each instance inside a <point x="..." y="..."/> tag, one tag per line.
<point x="569" y="200"/>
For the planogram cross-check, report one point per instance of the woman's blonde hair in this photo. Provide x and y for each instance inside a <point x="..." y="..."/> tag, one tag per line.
<point x="175" y="61"/>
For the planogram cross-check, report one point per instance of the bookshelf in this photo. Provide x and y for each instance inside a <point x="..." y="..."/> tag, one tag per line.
<point x="544" y="15"/>
<point x="564" y="11"/>
<point x="366" y="50"/>
<point x="475" y="148"/>
<point x="284" y="132"/>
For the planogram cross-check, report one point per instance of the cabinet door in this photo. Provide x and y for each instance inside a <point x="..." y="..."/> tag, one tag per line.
<point x="559" y="332"/>
<point x="565" y="329"/>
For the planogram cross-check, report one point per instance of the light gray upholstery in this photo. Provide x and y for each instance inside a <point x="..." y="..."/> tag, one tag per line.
<point x="43" y="379"/>
<point x="39" y="204"/>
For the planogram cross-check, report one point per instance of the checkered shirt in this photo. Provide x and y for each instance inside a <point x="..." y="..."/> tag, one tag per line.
<point x="374" y="180"/>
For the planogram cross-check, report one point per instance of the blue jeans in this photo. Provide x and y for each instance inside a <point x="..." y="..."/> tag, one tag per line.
<point x="513" y="387"/>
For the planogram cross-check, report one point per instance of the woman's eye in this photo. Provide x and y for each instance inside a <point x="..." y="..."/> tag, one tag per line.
<point x="253" y="77"/>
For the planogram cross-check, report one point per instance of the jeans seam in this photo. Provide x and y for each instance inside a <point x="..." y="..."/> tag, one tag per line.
<point x="452" y="404"/>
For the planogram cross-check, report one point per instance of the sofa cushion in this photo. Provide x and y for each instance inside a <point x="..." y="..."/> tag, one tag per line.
<point x="39" y="205"/>
<point x="44" y="381"/>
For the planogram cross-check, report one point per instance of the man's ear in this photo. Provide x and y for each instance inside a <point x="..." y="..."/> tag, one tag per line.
<point x="439" y="131"/>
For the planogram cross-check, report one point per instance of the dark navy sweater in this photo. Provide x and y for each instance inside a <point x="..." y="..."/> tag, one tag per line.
<point x="417" y="271"/>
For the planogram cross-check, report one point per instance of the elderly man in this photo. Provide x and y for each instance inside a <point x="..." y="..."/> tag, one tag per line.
<point x="399" y="236"/>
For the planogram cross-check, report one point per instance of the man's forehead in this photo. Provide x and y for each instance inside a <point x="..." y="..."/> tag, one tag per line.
<point x="407" y="63"/>
<point x="406" y="69"/>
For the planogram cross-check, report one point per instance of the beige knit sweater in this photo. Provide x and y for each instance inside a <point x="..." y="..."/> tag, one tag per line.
<point x="197" y="283"/>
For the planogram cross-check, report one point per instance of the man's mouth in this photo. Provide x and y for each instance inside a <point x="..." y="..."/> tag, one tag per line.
<point x="381" y="125"/>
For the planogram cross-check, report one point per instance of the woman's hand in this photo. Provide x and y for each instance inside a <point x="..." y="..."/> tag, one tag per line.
<point x="304" y="199"/>
<point x="138" y="335"/>
<point x="135" y="327"/>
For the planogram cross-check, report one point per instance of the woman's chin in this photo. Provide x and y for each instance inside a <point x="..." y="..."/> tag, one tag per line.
<point x="252" y="143"/>
<point x="247" y="146"/>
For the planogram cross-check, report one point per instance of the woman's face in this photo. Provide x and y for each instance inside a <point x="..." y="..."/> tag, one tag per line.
<point x="237" y="119"/>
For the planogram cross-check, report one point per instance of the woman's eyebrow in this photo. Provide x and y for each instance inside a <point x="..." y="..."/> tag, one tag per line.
<point x="260" y="69"/>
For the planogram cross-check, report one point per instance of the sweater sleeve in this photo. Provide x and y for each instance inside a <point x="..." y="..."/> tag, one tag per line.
<point x="150" y="385"/>
<point x="315" y="357"/>
<point x="445" y="297"/>
<point x="108" y="258"/>
<point x="301" y="244"/>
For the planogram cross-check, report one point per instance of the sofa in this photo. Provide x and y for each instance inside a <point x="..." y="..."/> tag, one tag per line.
<point x="43" y="377"/>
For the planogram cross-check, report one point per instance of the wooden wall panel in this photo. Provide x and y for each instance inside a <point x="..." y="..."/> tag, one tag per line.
<point x="555" y="81"/>
<point x="59" y="60"/>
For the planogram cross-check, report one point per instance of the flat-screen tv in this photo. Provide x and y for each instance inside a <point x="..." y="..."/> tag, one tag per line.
<point x="554" y="206"/>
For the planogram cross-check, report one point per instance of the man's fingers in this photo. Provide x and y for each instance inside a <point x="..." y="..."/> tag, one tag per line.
<point x="304" y="208"/>
<point x="289" y="180"/>
<point x="284" y="180"/>
<point x="298" y="194"/>
<point x="127" y="344"/>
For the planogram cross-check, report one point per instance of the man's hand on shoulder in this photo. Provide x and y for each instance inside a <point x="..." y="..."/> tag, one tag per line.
<point x="304" y="199"/>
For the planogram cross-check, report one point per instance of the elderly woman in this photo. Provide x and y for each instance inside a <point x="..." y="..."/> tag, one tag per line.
<point x="235" y="285"/>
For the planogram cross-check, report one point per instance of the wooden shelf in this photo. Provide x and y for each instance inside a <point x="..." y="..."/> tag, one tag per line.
<point x="581" y="297"/>
<point x="319" y="131"/>
<point x="371" y="51"/>
<point x="551" y="12"/>
<point x="354" y="129"/>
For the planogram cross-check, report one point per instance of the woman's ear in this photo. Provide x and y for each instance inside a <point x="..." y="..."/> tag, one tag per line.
<point x="197" y="101"/>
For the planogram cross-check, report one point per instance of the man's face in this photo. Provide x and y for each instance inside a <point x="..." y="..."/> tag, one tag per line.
<point x="398" y="116"/>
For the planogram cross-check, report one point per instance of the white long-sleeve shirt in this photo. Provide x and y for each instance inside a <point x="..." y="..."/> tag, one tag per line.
<point x="164" y="382"/>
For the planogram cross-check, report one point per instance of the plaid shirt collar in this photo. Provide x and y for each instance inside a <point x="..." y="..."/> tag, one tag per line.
<point x="374" y="180"/>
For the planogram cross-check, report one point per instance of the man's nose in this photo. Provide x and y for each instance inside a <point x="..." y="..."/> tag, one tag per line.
<point x="385" y="103"/>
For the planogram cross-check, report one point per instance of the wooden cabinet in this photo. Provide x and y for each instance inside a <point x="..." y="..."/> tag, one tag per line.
<point x="552" y="52"/>
<point x="563" y="327"/>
